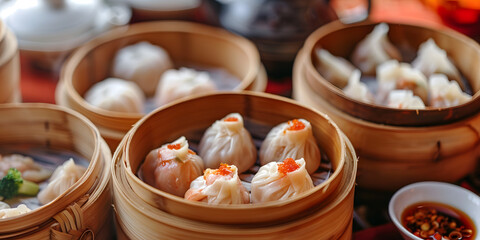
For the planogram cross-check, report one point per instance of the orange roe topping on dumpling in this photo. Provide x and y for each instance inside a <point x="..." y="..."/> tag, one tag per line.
<point x="223" y="170"/>
<point x="288" y="165"/>
<point x="192" y="152"/>
<point x="295" y="125"/>
<point x="174" y="146"/>
<point x="230" y="119"/>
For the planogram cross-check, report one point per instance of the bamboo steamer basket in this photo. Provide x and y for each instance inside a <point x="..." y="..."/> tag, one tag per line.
<point x="394" y="156"/>
<point x="137" y="218"/>
<point x="267" y="110"/>
<point x="341" y="40"/>
<point x="9" y="67"/>
<point x="75" y="213"/>
<point x="186" y="43"/>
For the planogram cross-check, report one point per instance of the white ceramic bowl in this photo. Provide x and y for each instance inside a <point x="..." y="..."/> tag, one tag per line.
<point x="446" y="193"/>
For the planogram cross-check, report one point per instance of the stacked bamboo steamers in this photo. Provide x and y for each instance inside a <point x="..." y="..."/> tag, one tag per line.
<point x="187" y="43"/>
<point x="144" y="212"/>
<point x="9" y="66"/>
<point x="397" y="146"/>
<point x="84" y="210"/>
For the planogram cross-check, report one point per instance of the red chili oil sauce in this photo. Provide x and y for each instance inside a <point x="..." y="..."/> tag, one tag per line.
<point x="462" y="220"/>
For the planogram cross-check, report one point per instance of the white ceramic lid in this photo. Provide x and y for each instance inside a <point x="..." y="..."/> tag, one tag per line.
<point x="53" y="25"/>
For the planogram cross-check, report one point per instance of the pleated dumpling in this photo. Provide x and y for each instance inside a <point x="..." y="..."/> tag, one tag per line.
<point x="172" y="167"/>
<point x="431" y="59"/>
<point x="336" y="70"/>
<point x="227" y="141"/>
<point x="375" y="49"/>
<point x="114" y="94"/>
<point x="280" y="181"/>
<point x="142" y="63"/>
<point x="219" y="186"/>
<point x="393" y="75"/>
<point x="445" y="93"/>
<point x="292" y="139"/>
<point x="404" y="99"/>
<point x="357" y="89"/>
<point x="175" y="84"/>
<point x="62" y="179"/>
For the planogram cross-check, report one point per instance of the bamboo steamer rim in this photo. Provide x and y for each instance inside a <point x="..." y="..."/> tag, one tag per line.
<point x="405" y="117"/>
<point x="298" y="72"/>
<point x="398" y="173"/>
<point x="132" y="176"/>
<point x="151" y="27"/>
<point x="126" y="199"/>
<point x="44" y="214"/>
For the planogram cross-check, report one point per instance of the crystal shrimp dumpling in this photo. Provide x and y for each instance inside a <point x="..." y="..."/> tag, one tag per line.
<point x="172" y="167"/>
<point x="227" y="141"/>
<point x="292" y="139"/>
<point x="280" y="181"/>
<point x="219" y="186"/>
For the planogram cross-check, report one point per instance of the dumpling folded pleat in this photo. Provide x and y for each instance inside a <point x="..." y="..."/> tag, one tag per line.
<point x="280" y="181"/>
<point x="61" y="180"/>
<point x="219" y="186"/>
<point x="445" y="93"/>
<point x="292" y="139"/>
<point x="404" y="99"/>
<point x="336" y="70"/>
<point x="357" y="89"/>
<point x="375" y="49"/>
<point x="227" y="141"/>
<point x="431" y="59"/>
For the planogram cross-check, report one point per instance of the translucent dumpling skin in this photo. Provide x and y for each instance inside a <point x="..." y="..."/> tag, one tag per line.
<point x="292" y="139"/>
<point x="227" y="141"/>
<point x="219" y="186"/>
<point x="280" y="181"/>
<point x="172" y="167"/>
<point x="61" y="180"/>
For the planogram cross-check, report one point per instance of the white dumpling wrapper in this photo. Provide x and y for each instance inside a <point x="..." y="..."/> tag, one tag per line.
<point x="175" y="84"/>
<point x="357" y="89"/>
<point x="374" y="49"/>
<point x="228" y="142"/>
<point x="12" y="212"/>
<point x="218" y="189"/>
<point x="394" y="75"/>
<point x="269" y="184"/>
<point x="336" y="70"/>
<point x="114" y="94"/>
<point x="404" y="99"/>
<point x="142" y="63"/>
<point x="64" y="176"/>
<point x="432" y="59"/>
<point x="282" y="143"/>
<point x="445" y="93"/>
<point x="172" y="170"/>
<point x="30" y="170"/>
